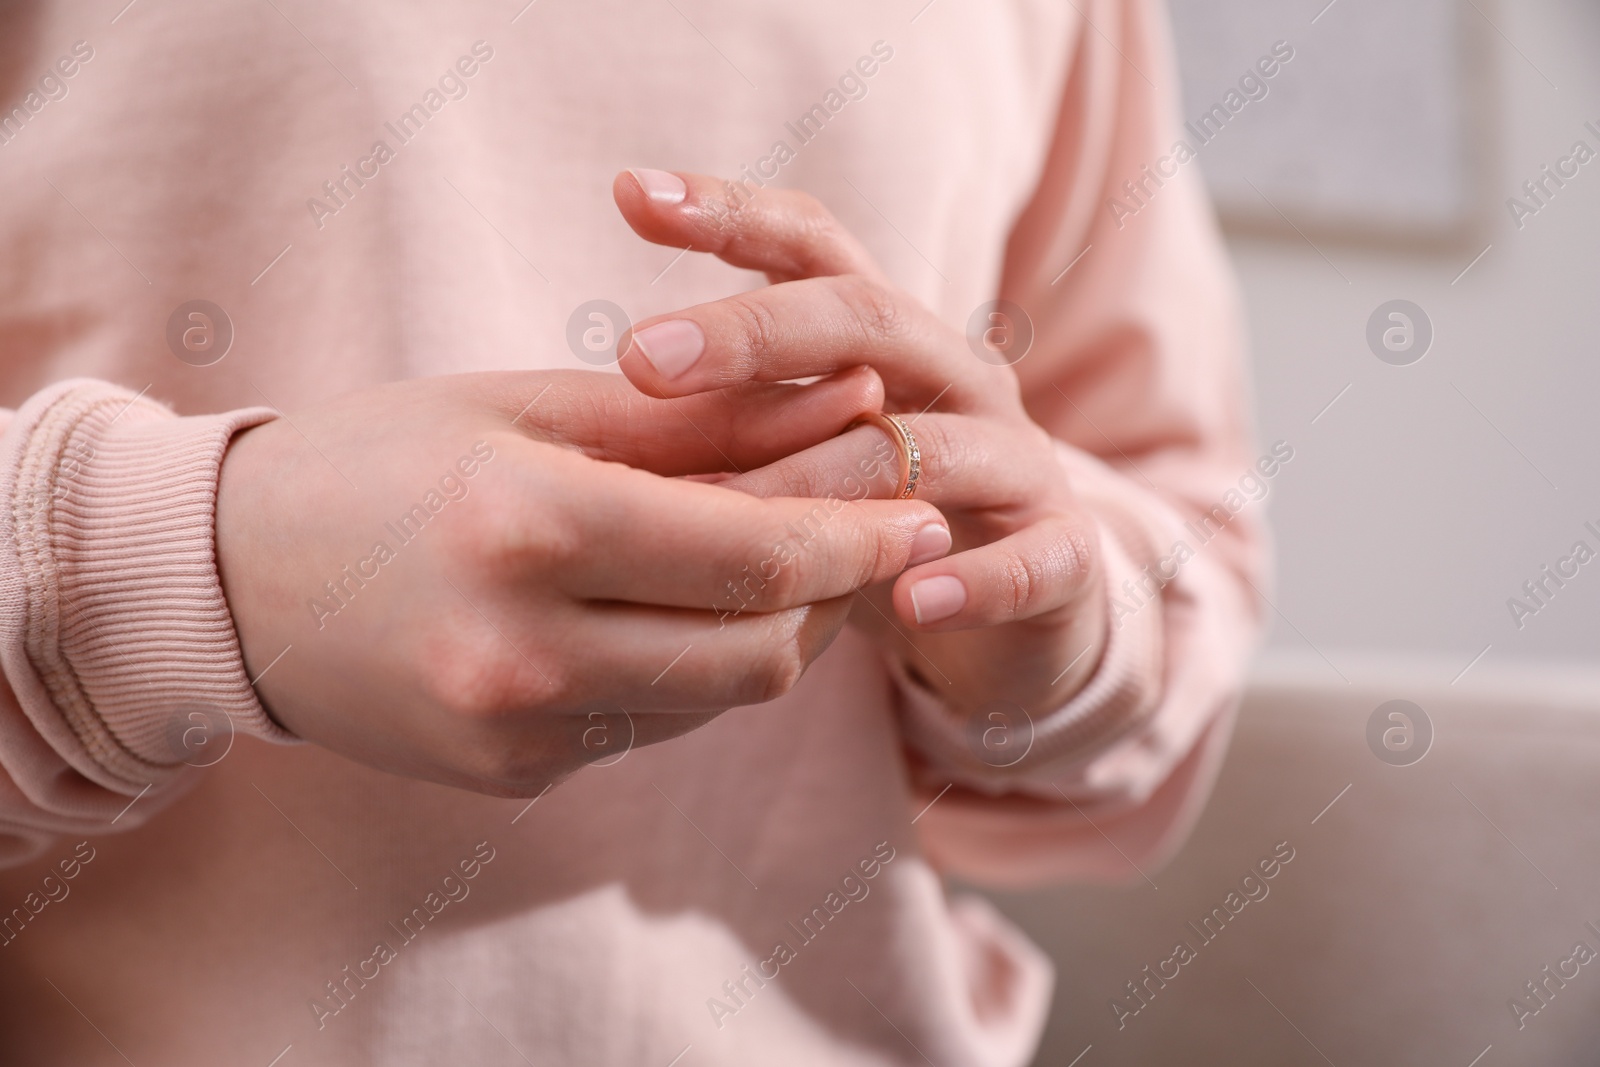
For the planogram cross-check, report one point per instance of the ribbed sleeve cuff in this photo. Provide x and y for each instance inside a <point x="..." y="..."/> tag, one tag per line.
<point x="128" y="636"/>
<point x="1035" y="752"/>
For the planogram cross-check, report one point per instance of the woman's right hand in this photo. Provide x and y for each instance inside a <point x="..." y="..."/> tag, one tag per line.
<point x="465" y="576"/>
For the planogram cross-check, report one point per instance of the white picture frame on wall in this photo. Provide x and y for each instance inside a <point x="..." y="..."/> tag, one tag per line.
<point x="1376" y="129"/>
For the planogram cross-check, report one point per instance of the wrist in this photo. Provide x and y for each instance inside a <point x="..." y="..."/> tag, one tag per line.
<point x="125" y="628"/>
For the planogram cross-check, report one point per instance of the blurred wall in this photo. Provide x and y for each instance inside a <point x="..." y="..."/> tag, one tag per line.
<point x="1424" y="896"/>
<point x="1428" y="494"/>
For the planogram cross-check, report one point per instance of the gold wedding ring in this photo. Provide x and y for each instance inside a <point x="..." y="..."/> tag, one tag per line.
<point x="905" y="443"/>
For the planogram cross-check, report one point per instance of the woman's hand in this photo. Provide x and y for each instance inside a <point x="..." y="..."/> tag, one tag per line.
<point x="471" y="580"/>
<point x="1018" y="610"/>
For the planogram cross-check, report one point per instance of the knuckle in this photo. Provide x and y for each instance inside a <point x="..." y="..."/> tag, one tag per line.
<point x="944" y="449"/>
<point x="1034" y="581"/>
<point x="785" y="584"/>
<point x="818" y="227"/>
<point x="876" y="553"/>
<point x="720" y="215"/>
<point x="781" y="575"/>
<point x="814" y="216"/>
<point x="784" y="666"/>
<point x="469" y="687"/>
<point x="1022" y="577"/>
<point x="475" y="683"/>
<point x="874" y="307"/>
<point x="502" y="769"/>
<point x="1075" y="550"/>
<point x="494" y="534"/>
<point x="758" y="327"/>
<point x="798" y="637"/>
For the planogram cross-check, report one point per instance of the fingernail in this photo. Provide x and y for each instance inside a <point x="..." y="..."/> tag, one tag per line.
<point x="672" y="346"/>
<point x="931" y="542"/>
<point x="937" y="598"/>
<point x="660" y="186"/>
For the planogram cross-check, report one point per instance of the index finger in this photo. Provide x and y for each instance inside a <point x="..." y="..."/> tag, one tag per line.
<point x="680" y="543"/>
<point x="735" y="429"/>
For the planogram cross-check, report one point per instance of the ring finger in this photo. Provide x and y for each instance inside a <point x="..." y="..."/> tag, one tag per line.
<point x="965" y="463"/>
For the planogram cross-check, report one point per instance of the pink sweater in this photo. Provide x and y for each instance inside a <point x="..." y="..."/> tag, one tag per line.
<point x="766" y="889"/>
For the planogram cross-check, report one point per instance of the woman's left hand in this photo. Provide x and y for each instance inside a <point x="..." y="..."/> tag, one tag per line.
<point x="1017" y="610"/>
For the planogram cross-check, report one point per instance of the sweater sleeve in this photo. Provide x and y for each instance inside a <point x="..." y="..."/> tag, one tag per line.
<point x="1136" y="368"/>
<point x="120" y="660"/>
